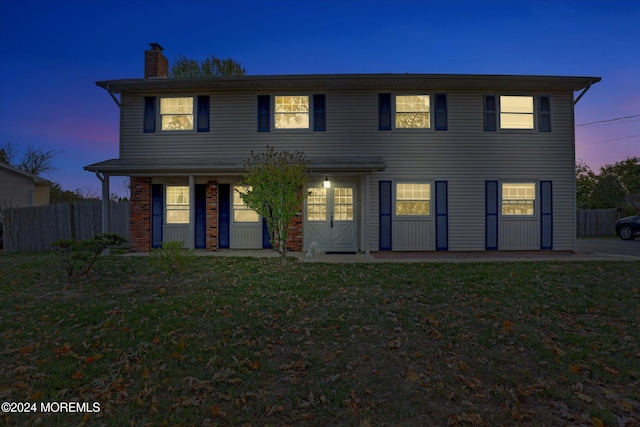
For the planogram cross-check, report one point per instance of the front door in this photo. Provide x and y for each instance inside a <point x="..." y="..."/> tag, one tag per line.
<point x="330" y="218"/>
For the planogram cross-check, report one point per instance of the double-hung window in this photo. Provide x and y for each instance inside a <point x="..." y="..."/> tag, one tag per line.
<point x="177" y="204"/>
<point x="176" y="113"/>
<point x="241" y="212"/>
<point x="516" y="112"/>
<point x="291" y="112"/>
<point x="413" y="199"/>
<point x="412" y="112"/>
<point x="518" y="199"/>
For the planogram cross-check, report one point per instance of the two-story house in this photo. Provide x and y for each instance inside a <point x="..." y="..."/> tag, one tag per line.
<point x="401" y="162"/>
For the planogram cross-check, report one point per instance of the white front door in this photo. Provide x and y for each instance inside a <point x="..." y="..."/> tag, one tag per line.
<point x="330" y="218"/>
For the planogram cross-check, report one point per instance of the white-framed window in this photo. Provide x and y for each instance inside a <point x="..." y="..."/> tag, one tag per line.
<point x="516" y="112"/>
<point x="413" y="111"/>
<point x="177" y="206"/>
<point x="241" y="212"/>
<point x="291" y="112"/>
<point x="518" y="199"/>
<point x="317" y="204"/>
<point x="176" y="113"/>
<point x="413" y="199"/>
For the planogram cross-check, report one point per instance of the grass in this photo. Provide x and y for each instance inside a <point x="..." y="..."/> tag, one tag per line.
<point x="239" y="341"/>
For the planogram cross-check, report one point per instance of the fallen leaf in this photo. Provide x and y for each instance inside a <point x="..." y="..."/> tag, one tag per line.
<point x="507" y="327"/>
<point x="597" y="422"/>
<point x="413" y="376"/>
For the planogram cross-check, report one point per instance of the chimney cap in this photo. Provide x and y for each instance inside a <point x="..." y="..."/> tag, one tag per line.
<point x="155" y="46"/>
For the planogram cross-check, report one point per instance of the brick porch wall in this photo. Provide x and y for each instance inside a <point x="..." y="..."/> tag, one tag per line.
<point x="140" y="215"/>
<point x="294" y="240"/>
<point x="212" y="216"/>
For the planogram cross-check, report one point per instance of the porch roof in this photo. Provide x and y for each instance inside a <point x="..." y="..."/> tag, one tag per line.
<point x="225" y="166"/>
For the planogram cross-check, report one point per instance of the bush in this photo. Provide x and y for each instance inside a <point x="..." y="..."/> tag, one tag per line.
<point x="172" y="259"/>
<point x="79" y="256"/>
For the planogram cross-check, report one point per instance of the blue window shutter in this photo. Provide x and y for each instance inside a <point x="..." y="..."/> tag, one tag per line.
<point x="157" y="214"/>
<point x="385" y="215"/>
<point x="264" y="113"/>
<point x="490" y="113"/>
<point x="384" y="111"/>
<point x="266" y="239"/>
<point x="319" y="113"/>
<point x="491" y="208"/>
<point x="441" y="111"/>
<point x="442" y="217"/>
<point x="203" y="114"/>
<point x="224" y="215"/>
<point x="201" y="216"/>
<point x="546" y="215"/>
<point x="149" y="114"/>
<point x="544" y="114"/>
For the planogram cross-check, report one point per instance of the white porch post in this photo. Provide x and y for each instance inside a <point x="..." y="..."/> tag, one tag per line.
<point x="192" y="213"/>
<point x="106" y="214"/>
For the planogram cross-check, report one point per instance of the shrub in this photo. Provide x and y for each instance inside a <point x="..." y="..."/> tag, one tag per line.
<point x="172" y="259"/>
<point x="79" y="256"/>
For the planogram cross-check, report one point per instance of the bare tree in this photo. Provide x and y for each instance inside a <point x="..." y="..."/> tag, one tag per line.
<point x="210" y="67"/>
<point x="37" y="161"/>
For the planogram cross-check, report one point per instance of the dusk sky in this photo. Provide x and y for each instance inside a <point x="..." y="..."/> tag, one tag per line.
<point x="53" y="52"/>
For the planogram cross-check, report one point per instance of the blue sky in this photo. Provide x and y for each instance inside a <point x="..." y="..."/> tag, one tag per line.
<point x="53" y="52"/>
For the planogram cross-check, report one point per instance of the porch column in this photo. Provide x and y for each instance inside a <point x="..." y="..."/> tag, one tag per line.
<point x="192" y="213"/>
<point x="106" y="214"/>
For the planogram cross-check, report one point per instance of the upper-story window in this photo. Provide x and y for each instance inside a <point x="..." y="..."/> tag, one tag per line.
<point x="285" y="112"/>
<point x="516" y="112"/>
<point x="509" y="112"/>
<point x="412" y="112"/>
<point x="291" y="112"/>
<point x="176" y="113"/>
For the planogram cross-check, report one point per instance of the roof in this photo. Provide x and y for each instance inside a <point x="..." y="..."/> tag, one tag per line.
<point x="353" y="81"/>
<point x="225" y="165"/>
<point x="40" y="182"/>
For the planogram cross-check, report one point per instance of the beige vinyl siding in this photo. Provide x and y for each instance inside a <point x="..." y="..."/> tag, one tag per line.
<point x="465" y="156"/>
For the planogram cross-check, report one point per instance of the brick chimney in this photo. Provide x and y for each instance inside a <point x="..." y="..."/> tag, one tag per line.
<point x="155" y="63"/>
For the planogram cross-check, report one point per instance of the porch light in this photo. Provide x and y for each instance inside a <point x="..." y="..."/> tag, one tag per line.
<point x="326" y="183"/>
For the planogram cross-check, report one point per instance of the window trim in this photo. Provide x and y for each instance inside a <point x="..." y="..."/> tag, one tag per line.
<point x="310" y="113"/>
<point x="194" y="114"/>
<point x="394" y="98"/>
<point x="536" y="200"/>
<point x="232" y="204"/>
<point x="533" y="127"/>
<point x="394" y="200"/>
<point x="167" y="204"/>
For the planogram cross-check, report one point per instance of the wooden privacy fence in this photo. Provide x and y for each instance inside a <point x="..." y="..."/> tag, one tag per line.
<point x="597" y="222"/>
<point x="35" y="228"/>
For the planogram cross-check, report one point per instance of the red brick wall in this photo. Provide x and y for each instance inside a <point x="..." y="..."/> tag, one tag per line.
<point x="140" y="215"/>
<point x="294" y="240"/>
<point x="212" y="216"/>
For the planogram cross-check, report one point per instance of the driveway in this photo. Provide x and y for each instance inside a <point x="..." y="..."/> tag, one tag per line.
<point x="614" y="247"/>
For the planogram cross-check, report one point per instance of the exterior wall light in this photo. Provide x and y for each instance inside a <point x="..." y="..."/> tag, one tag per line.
<point x="326" y="183"/>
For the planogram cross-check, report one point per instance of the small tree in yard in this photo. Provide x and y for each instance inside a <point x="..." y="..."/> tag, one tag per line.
<point x="274" y="186"/>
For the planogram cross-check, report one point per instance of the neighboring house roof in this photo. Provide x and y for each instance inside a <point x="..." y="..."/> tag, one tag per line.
<point x="39" y="182"/>
<point x="360" y="81"/>
<point x="226" y="165"/>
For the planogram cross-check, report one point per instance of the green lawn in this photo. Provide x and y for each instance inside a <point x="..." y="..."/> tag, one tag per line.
<point x="240" y="341"/>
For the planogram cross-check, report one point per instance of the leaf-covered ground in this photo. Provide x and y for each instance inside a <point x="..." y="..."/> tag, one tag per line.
<point x="240" y="341"/>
